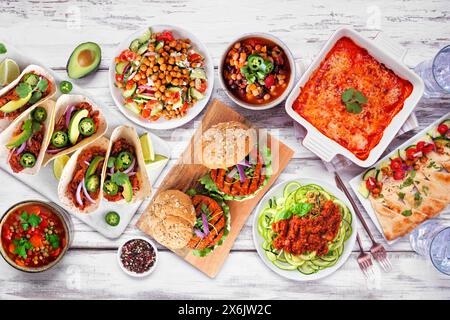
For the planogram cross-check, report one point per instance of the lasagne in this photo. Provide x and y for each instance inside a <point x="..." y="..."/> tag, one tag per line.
<point x="349" y="66"/>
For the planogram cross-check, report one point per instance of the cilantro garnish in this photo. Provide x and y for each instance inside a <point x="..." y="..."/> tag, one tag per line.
<point x="42" y="85"/>
<point x="409" y="181"/>
<point x="23" y="89"/>
<point x="2" y="48"/>
<point x="353" y="100"/>
<point x="29" y="220"/>
<point x="120" y="178"/>
<point x="21" y="247"/>
<point x="407" y="213"/>
<point x="401" y="195"/>
<point x="53" y="239"/>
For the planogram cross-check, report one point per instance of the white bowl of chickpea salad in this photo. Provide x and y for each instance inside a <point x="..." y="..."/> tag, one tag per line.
<point x="257" y="71"/>
<point x="161" y="77"/>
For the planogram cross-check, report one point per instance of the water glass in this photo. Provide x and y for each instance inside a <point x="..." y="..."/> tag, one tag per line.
<point x="436" y="73"/>
<point x="432" y="239"/>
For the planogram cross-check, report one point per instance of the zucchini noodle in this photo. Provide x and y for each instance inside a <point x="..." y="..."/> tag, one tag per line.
<point x="307" y="263"/>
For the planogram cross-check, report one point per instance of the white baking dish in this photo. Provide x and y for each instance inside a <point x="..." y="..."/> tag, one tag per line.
<point x="384" y="52"/>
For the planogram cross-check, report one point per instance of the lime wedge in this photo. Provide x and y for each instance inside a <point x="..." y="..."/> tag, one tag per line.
<point x="147" y="148"/>
<point x="9" y="71"/>
<point x="59" y="164"/>
<point x="159" y="160"/>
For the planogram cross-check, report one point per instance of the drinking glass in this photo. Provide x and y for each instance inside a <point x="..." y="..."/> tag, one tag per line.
<point x="433" y="240"/>
<point x="436" y="73"/>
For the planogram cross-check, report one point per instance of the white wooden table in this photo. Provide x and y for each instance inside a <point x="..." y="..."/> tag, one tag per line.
<point x="50" y="30"/>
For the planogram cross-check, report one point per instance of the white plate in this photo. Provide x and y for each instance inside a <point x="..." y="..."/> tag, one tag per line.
<point x="46" y="184"/>
<point x="383" y="51"/>
<point x="193" y="111"/>
<point x="355" y="182"/>
<point x="277" y="191"/>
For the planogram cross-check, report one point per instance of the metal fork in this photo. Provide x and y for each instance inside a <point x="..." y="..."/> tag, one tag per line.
<point x="364" y="261"/>
<point x="377" y="250"/>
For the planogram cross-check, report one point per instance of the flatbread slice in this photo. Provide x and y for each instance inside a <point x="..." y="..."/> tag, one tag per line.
<point x="428" y="206"/>
<point x="437" y="187"/>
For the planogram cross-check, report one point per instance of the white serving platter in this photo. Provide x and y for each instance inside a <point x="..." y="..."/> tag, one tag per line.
<point x="386" y="53"/>
<point x="193" y="111"/>
<point x="277" y="191"/>
<point x="355" y="182"/>
<point x="45" y="182"/>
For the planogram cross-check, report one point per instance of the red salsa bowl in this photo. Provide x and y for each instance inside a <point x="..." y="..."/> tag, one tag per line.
<point x="34" y="235"/>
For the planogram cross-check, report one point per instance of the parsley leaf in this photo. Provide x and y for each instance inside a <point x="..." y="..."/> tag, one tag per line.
<point x="401" y="195"/>
<point x="3" y="48"/>
<point x="301" y="209"/>
<point x="34" y="220"/>
<point x="282" y="215"/>
<point x="120" y="178"/>
<point x="353" y="100"/>
<point x="23" y="89"/>
<point x="409" y="181"/>
<point x="42" y="85"/>
<point x="21" y="247"/>
<point x="407" y="213"/>
<point x="53" y="239"/>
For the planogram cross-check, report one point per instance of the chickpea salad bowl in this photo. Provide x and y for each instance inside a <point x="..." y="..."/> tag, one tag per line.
<point x="161" y="77"/>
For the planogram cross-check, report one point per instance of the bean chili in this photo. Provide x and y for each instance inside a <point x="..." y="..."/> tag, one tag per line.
<point x="256" y="70"/>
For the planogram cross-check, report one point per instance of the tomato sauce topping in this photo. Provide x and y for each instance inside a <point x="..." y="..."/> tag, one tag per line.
<point x="349" y="66"/>
<point x="300" y="235"/>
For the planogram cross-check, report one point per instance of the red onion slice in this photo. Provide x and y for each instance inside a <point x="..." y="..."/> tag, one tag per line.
<point x="131" y="167"/>
<point x="86" y="193"/>
<point x="53" y="151"/>
<point x="78" y="195"/>
<point x="21" y="148"/>
<point x="242" y="176"/>
<point x="68" y="115"/>
<point x="199" y="233"/>
<point x="232" y="173"/>
<point x="205" y="224"/>
<point x="86" y="163"/>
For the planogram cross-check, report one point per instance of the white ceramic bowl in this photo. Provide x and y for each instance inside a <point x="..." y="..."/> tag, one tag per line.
<point x="383" y="51"/>
<point x="277" y="191"/>
<point x="134" y="274"/>
<point x="163" y="123"/>
<point x="289" y="87"/>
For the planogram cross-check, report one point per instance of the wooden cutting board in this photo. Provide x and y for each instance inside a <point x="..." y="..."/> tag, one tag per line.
<point x="185" y="174"/>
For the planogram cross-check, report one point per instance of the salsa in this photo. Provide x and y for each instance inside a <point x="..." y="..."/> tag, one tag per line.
<point x="256" y="70"/>
<point x="33" y="236"/>
<point x="348" y="68"/>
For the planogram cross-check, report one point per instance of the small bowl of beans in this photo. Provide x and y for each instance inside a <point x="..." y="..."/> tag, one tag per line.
<point x="257" y="71"/>
<point x="138" y="257"/>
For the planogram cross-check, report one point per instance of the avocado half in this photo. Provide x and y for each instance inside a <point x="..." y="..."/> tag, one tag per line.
<point x="84" y="60"/>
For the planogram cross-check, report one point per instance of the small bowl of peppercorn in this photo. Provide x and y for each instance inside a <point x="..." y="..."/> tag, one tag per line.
<point x="138" y="257"/>
<point x="257" y="71"/>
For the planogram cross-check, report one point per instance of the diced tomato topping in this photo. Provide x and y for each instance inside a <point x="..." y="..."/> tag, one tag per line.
<point x="36" y="241"/>
<point x="399" y="174"/>
<point x="165" y="36"/>
<point x="269" y="81"/>
<point x="428" y="148"/>
<point x="442" y="129"/>
<point x="145" y="113"/>
<point x="194" y="57"/>
<point x="184" y="107"/>
<point x="119" y="77"/>
<point x="127" y="55"/>
<point x="410" y="153"/>
<point x="396" y="164"/>
<point x="371" y="183"/>
<point x="201" y="87"/>
<point x="420" y="145"/>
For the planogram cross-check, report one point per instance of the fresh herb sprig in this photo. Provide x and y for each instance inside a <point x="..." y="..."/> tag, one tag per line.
<point x="353" y="100"/>
<point x="28" y="220"/>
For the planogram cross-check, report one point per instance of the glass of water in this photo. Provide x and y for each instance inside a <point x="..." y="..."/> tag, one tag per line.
<point x="436" y="73"/>
<point x="432" y="239"/>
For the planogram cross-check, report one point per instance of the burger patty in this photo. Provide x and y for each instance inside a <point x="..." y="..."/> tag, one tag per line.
<point x="216" y="219"/>
<point x="235" y="187"/>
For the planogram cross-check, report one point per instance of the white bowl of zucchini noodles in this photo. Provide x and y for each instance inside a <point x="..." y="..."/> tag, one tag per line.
<point x="304" y="229"/>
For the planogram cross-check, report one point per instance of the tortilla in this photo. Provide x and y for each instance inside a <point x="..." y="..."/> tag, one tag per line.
<point x="130" y="134"/>
<point x="67" y="175"/>
<point x="6" y="135"/>
<point x="61" y="105"/>
<point x="5" y="123"/>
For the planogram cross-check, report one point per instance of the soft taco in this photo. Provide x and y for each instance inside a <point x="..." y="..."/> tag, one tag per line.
<point x="240" y="168"/>
<point x="212" y="223"/>
<point x="126" y="178"/>
<point x="78" y="121"/>
<point x="25" y="140"/>
<point x="81" y="183"/>
<point x="33" y="86"/>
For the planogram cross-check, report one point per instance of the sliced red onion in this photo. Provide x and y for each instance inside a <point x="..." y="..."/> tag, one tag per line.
<point x="111" y="170"/>
<point x="131" y="76"/>
<point x="371" y="182"/>
<point x="245" y="163"/>
<point x="149" y="53"/>
<point x="205" y="224"/>
<point x="86" y="193"/>
<point x="199" y="233"/>
<point x="418" y="154"/>
<point x="78" y="195"/>
<point x="53" y="151"/>
<point x="242" y="176"/>
<point x="87" y="163"/>
<point x="21" y="148"/>
<point x="146" y="87"/>
<point x="232" y="173"/>
<point x="68" y="115"/>
<point x="131" y="174"/>
<point x="409" y="168"/>
<point x="131" y="167"/>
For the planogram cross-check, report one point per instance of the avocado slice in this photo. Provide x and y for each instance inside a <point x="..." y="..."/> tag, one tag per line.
<point x="74" y="132"/>
<point x="13" y="105"/>
<point x="93" y="166"/>
<point x="84" y="60"/>
<point x="127" y="191"/>
<point x="16" y="141"/>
